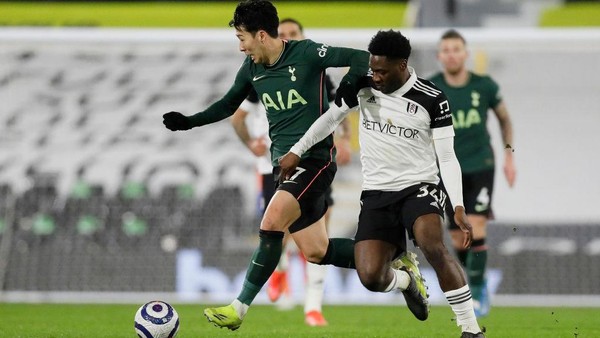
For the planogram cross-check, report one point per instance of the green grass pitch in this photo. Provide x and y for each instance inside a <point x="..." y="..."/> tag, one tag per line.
<point x="114" y="321"/>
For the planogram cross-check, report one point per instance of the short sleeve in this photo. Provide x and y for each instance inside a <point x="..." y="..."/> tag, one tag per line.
<point x="440" y="113"/>
<point x="252" y="96"/>
<point x="495" y="96"/>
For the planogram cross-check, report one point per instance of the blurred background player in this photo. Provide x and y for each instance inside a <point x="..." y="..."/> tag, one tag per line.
<point x="251" y="125"/>
<point x="471" y="96"/>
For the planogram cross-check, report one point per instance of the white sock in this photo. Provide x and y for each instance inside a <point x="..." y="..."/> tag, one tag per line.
<point x="315" y="284"/>
<point x="240" y="308"/>
<point x="400" y="281"/>
<point x="284" y="260"/>
<point x="462" y="304"/>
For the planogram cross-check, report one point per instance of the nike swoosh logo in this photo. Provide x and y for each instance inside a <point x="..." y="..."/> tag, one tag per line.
<point x="288" y="181"/>
<point x="253" y="262"/>
<point x="256" y="78"/>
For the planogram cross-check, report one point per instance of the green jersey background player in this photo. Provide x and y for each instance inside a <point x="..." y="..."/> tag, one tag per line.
<point x="471" y="96"/>
<point x="288" y="77"/>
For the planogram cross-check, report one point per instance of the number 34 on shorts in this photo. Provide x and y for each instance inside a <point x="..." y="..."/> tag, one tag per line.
<point x="438" y="194"/>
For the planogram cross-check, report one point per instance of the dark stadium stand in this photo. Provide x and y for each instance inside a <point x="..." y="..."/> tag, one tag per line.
<point x="103" y="194"/>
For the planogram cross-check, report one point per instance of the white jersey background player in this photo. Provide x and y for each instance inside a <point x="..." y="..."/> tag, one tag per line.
<point x="252" y="127"/>
<point x="405" y="127"/>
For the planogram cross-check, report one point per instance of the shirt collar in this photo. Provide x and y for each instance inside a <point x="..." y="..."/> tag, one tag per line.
<point x="408" y="84"/>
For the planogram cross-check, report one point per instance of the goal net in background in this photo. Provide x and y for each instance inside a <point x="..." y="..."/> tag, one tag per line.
<point x="98" y="198"/>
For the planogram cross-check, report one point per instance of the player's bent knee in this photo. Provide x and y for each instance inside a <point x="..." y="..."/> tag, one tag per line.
<point x="314" y="259"/>
<point x="314" y="256"/>
<point x="274" y="222"/>
<point x="371" y="281"/>
<point x="270" y="224"/>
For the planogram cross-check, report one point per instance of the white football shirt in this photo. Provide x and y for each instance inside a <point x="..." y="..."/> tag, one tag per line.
<point x="396" y="133"/>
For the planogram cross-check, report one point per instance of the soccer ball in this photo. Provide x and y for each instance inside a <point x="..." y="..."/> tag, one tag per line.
<point x="156" y="319"/>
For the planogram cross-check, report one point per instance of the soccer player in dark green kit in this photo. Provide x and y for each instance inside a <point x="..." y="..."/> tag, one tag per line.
<point x="289" y="79"/>
<point x="471" y="96"/>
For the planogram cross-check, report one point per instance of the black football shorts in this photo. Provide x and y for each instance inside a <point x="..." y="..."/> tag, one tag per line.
<point x="309" y="184"/>
<point x="477" y="196"/>
<point x="389" y="215"/>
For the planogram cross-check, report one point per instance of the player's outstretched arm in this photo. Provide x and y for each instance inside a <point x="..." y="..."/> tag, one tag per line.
<point x="356" y="59"/>
<point x="217" y="111"/>
<point x="176" y="121"/>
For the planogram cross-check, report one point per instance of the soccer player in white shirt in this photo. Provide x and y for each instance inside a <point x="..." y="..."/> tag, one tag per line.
<point x="405" y="130"/>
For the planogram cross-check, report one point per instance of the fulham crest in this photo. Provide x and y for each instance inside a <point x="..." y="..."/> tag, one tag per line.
<point x="412" y="108"/>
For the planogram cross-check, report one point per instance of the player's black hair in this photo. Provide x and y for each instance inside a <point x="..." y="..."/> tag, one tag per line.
<point x="391" y="44"/>
<point x="453" y="34"/>
<point x="255" y="15"/>
<point x="294" y="21"/>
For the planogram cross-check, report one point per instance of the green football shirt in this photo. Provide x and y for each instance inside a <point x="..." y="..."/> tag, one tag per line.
<point x="470" y="105"/>
<point x="292" y="91"/>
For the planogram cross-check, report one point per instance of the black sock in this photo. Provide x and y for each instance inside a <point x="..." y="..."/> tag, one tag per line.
<point x="340" y="252"/>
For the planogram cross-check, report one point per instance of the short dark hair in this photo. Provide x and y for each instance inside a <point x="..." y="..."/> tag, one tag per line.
<point x="255" y="15"/>
<point x="294" y="21"/>
<point x="453" y="34"/>
<point x="391" y="44"/>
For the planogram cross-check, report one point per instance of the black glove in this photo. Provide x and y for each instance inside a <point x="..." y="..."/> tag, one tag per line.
<point x="176" y="121"/>
<point x="346" y="91"/>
